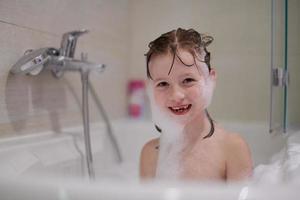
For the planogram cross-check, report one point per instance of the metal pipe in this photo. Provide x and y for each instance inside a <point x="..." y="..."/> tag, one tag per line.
<point x="107" y="122"/>
<point x="85" y="115"/>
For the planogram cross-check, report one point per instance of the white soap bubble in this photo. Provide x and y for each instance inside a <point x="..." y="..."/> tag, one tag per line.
<point x="170" y="141"/>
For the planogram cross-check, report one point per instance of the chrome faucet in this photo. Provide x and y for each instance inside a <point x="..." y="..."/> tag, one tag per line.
<point x="68" y="43"/>
<point x="59" y="61"/>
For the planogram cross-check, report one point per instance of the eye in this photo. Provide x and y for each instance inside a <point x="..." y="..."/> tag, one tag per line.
<point x="162" y="84"/>
<point x="188" y="80"/>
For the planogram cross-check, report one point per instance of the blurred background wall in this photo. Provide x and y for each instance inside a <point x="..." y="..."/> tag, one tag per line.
<point x="119" y="34"/>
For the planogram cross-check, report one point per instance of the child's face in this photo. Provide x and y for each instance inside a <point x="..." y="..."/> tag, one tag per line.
<point x="181" y="93"/>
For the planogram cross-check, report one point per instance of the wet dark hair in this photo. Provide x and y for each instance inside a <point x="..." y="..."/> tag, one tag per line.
<point x="189" y="40"/>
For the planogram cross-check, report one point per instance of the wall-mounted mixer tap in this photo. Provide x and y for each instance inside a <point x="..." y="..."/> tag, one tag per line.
<point x="58" y="61"/>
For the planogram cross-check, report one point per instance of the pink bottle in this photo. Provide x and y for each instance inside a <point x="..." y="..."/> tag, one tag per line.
<point x="136" y="90"/>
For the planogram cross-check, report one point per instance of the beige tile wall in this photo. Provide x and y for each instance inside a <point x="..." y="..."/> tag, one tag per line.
<point x="33" y="104"/>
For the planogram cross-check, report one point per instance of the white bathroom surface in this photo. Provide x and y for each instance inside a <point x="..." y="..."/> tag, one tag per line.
<point x="52" y="166"/>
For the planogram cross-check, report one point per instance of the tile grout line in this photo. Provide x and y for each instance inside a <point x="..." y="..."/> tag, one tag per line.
<point x="28" y="28"/>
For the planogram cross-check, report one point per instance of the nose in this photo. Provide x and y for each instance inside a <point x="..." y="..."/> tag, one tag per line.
<point x="176" y="94"/>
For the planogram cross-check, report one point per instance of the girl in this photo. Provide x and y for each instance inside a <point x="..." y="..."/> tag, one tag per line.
<point x="180" y="86"/>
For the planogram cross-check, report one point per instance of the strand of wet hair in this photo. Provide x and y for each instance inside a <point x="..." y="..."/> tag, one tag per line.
<point x="212" y="125"/>
<point x="184" y="62"/>
<point x="172" y="64"/>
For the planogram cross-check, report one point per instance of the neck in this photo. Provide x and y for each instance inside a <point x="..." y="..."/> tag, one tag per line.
<point x="197" y="129"/>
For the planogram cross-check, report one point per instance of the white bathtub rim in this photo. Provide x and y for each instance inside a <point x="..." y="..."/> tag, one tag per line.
<point x="78" y="130"/>
<point x="158" y="190"/>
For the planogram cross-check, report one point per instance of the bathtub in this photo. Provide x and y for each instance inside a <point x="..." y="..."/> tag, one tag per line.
<point x="52" y="166"/>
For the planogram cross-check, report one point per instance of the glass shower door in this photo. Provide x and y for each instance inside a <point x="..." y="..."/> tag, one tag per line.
<point x="293" y="64"/>
<point x="278" y="41"/>
<point x="285" y="66"/>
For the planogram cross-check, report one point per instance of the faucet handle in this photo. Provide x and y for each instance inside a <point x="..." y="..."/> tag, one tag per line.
<point x="68" y="43"/>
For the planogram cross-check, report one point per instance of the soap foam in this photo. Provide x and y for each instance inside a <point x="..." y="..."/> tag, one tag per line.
<point x="206" y="85"/>
<point x="170" y="141"/>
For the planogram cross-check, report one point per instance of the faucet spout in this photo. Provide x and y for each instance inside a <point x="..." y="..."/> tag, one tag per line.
<point x="60" y="64"/>
<point x="83" y="66"/>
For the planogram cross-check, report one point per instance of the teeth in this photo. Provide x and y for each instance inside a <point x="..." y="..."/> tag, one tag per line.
<point x="180" y="107"/>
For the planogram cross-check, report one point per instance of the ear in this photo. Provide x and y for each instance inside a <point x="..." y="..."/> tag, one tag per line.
<point x="213" y="74"/>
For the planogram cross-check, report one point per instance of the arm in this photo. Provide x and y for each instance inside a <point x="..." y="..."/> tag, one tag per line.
<point x="148" y="159"/>
<point x="238" y="162"/>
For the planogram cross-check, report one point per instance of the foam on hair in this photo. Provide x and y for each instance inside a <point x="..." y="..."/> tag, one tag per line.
<point x="206" y="86"/>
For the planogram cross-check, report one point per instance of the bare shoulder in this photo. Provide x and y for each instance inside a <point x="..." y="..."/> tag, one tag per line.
<point x="235" y="141"/>
<point x="148" y="158"/>
<point x="150" y="145"/>
<point x="238" y="157"/>
<point x="231" y="141"/>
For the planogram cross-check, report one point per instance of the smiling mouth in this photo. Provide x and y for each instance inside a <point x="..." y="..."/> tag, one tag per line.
<point x="180" y="110"/>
